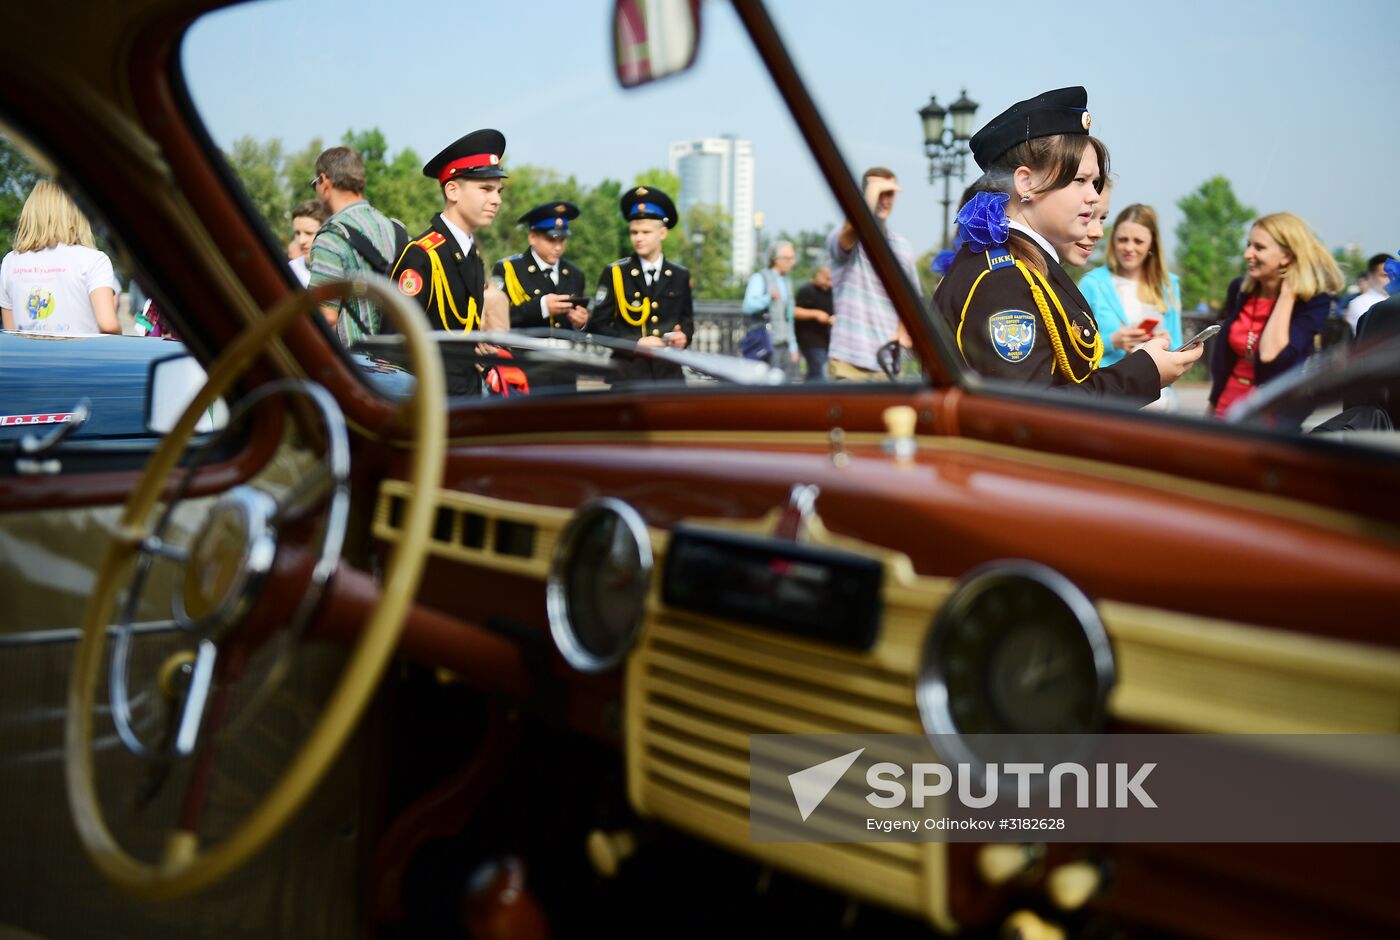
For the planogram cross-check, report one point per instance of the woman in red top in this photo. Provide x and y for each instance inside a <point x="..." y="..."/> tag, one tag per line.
<point x="1274" y="313"/>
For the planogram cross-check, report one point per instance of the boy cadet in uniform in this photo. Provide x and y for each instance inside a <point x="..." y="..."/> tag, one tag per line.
<point x="542" y="286"/>
<point x="538" y="281"/>
<point x="645" y="297"/>
<point x="441" y="268"/>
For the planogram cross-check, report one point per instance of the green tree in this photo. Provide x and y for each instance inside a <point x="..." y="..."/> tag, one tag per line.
<point x="1352" y="262"/>
<point x="664" y="180"/>
<point x="373" y="150"/>
<point x="600" y="233"/>
<point x="402" y="192"/>
<point x="1209" y="242"/>
<point x="706" y="244"/>
<point x="258" y="167"/>
<point x="17" y="179"/>
<point x="297" y="170"/>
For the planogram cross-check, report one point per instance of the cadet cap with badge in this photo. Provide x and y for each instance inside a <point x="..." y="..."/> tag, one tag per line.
<point x="551" y="218"/>
<point x="646" y="202"/>
<point x="474" y="156"/>
<point x="1062" y="111"/>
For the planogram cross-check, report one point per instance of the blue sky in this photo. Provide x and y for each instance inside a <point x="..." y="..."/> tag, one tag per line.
<point x="1292" y="101"/>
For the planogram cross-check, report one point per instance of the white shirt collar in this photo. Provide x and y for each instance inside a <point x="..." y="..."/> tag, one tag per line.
<point x="648" y="266"/>
<point x="1036" y="237"/>
<point x="538" y="262"/>
<point x="463" y="239"/>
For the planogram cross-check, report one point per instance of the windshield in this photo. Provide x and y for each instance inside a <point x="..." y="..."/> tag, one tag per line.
<point x="725" y="255"/>
<point x="279" y="84"/>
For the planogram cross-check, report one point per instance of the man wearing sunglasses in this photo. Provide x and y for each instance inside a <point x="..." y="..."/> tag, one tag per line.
<point x="357" y="239"/>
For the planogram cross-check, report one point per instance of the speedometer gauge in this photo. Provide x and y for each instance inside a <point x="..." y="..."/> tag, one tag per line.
<point x="598" y="584"/>
<point x="1016" y="650"/>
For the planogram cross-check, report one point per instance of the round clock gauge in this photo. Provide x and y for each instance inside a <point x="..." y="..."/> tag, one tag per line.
<point x="598" y="584"/>
<point x="1017" y="649"/>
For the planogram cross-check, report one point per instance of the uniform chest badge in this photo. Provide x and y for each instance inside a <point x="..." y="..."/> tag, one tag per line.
<point x="410" y="282"/>
<point x="1013" y="334"/>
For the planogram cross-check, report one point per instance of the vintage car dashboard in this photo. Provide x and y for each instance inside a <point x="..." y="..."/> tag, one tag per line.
<point x="692" y="672"/>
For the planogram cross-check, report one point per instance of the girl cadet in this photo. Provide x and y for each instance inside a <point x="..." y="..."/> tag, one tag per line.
<point x="1014" y="311"/>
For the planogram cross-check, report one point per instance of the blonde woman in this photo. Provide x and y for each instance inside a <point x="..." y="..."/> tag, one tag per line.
<point x="1135" y="289"/>
<point x="1274" y="313"/>
<point x="55" y="280"/>
<point x="1134" y="298"/>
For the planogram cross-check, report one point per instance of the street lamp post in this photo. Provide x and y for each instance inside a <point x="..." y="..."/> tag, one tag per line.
<point x="946" y="147"/>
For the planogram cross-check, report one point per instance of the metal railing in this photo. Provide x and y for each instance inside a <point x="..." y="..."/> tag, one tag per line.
<point x="719" y="325"/>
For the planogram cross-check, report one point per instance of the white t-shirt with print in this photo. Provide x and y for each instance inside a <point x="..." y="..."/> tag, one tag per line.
<point x="48" y="290"/>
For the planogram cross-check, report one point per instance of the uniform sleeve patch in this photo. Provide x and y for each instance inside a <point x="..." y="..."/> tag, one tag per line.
<point x="1012" y="334"/>
<point x="410" y="282"/>
<point x="601" y="295"/>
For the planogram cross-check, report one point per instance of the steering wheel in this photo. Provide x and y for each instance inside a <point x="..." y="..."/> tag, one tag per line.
<point x="223" y="553"/>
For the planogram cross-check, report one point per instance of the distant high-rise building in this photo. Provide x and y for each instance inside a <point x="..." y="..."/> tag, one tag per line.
<point x="718" y="171"/>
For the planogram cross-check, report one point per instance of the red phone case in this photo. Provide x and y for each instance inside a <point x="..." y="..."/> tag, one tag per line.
<point x="1148" y="324"/>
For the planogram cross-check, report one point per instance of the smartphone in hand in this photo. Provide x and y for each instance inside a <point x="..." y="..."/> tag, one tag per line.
<point x="1149" y="325"/>
<point x="1200" y="337"/>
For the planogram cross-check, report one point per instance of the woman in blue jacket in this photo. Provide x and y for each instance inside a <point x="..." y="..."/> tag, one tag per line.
<point x="1135" y="287"/>
<point x="1134" y="298"/>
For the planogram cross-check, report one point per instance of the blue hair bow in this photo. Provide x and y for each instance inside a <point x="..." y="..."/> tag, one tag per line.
<point x="983" y="223"/>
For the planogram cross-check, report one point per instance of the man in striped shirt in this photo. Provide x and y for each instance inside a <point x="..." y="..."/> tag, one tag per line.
<point x="865" y="318"/>
<point x="340" y="185"/>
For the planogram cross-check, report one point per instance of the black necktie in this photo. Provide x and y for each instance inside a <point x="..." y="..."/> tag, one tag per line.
<point x="552" y="274"/>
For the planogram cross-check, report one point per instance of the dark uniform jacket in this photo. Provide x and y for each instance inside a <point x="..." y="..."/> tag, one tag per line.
<point x="643" y="311"/>
<point x="524" y="283"/>
<point x="450" y="285"/>
<point x="1004" y="333"/>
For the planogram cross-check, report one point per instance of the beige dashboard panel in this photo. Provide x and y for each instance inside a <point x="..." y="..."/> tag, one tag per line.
<point x="696" y="688"/>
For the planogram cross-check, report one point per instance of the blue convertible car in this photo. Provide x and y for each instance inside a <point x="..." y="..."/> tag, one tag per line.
<point x="44" y="377"/>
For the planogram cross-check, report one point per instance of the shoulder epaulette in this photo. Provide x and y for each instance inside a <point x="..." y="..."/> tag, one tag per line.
<point x="998" y="256"/>
<point x="622" y="260"/>
<point x="431" y="241"/>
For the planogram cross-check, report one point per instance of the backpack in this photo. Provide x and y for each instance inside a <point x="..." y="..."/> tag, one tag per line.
<point x="362" y="246"/>
<point x="365" y="248"/>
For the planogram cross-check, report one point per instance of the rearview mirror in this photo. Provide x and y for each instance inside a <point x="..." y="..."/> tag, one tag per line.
<point x="174" y="383"/>
<point x="654" y="38"/>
